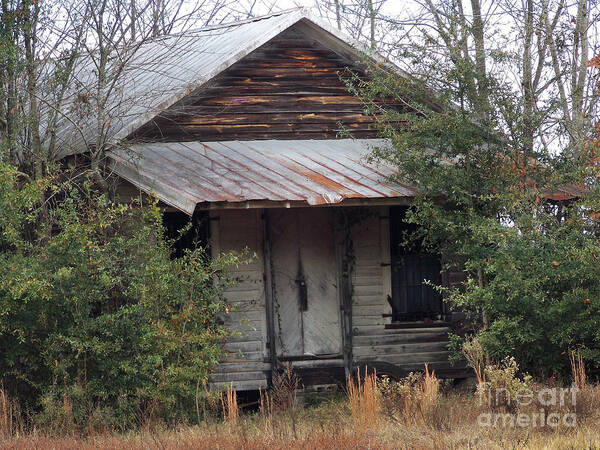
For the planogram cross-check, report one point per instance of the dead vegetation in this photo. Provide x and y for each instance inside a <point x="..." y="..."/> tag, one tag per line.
<point x="417" y="412"/>
<point x="364" y="400"/>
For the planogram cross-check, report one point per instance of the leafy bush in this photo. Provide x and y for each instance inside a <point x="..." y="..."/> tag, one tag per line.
<point x="523" y="223"/>
<point x="94" y="313"/>
<point x="503" y="384"/>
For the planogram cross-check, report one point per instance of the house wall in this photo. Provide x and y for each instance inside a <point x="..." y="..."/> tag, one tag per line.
<point x="290" y="88"/>
<point x="371" y="276"/>
<point x="247" y="365"/>
<point x="372" y="342"/>
<point x="244" y="366"/>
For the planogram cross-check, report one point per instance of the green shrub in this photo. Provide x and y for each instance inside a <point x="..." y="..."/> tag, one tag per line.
<point x="503" y="385"/>
<point x="523" y="225"/>
<point x="96" y="314"/>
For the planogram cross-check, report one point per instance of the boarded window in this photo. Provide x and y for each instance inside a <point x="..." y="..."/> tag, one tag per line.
<point x="197" y="235"/>
<point x="412" y="298"/>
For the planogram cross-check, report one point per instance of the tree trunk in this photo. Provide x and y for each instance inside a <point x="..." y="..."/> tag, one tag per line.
<point x="371" y="11"/>
<point x="480" y="64"/>
<point x="527" y="81"/>
<point x="133" y="20"/>
<point x="338" y="16"/>
<point x="579" y="76"/>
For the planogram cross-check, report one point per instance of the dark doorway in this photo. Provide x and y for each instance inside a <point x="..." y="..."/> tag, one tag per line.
<point x="197" y="235"/>
<point x="412" y="299"/>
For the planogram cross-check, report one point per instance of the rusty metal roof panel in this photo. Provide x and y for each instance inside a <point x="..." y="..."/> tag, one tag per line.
<point x="315" y="172"/>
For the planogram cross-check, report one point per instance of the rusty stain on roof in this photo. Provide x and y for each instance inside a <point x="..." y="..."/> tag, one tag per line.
<point x="315" y="172"/>
<point x="564" y="192"/>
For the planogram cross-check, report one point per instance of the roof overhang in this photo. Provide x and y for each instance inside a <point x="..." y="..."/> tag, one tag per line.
<point x="260" y="174"/>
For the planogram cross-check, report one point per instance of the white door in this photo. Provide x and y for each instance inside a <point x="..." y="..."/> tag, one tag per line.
<point x="306" y="301"/>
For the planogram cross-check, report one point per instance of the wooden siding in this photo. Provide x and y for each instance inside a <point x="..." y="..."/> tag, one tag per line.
<point x="247" y="368"/>
<point x="408" y="349"/>
<point x="369" y="299"/>
<point x="290" y="88"/>
<point x="244" y="367"/>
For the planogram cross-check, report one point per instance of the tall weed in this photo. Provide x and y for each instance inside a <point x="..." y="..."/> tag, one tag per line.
<point x="364" y="399"/>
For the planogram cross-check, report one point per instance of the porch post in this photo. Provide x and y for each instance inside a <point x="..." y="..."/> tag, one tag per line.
<point x="345" y="282"/>
<point x="268" y="283"/>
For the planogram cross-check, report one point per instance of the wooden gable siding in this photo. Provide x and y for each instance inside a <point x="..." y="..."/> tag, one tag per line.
<point x="289" y="88"/>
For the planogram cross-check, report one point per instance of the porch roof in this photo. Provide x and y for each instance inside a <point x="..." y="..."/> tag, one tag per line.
<point x="244" y="173"/>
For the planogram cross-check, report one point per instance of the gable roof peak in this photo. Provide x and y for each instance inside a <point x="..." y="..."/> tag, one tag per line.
<point x="165" y="70"/>
<point x="299" y="9"/>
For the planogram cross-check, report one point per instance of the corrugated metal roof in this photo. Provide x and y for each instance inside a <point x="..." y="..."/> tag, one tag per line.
<point x="565" y="192"/>
<point x="316" y="172"/>
<point x="164" y="70"/>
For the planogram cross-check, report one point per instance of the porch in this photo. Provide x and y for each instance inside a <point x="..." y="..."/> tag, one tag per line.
<point x="321" y="297"/>
<point x="332" y="285"/>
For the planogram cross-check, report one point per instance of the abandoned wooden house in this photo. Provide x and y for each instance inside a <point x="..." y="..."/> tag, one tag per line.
<point x="237" y="125"/>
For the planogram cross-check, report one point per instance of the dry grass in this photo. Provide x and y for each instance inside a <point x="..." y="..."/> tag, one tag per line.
<point x="411" y="414"/>
<point x="10" y="416"/>
<point x="364" y="400"/>
<point x="330" y="427"/>
<point x="229" y="403"/>
<point x="430" y="393"/>
<point x="578" y="370"/>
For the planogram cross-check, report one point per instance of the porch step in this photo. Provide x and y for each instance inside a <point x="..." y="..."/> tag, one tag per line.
<point x="380" y="330"/>
<point x="400" y="338"/>
<point x="392" y="349"/>
<point x="416" y="324"/>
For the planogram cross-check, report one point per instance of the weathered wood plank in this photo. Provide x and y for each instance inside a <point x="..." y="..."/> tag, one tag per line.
<point x="318" y="363"/>
<point x="243" y="356"/>
<point x="293" y="127"/>
<point x="407" y="358"/>
<point x="393" y="339"/>
<point x="393" y="349"/>
<point x="371" y="305"/>
<point x="250" y="385"/>
<point x="272" y="118"/>
<point x="360" y="321"/>
<point x="246" y="336"/>
<point x="244" y="346"/>
<point x="224" y="135"/>
<point x="378" y="331"/>
<point x="281" y="100"/>
<point x="285" y="87"/>
<point x="250" y="316"/>
<point x="236" y="376"/>
<point x="242" y="366"/>
<point x="373" y="300"/>
<point x="288" y="89"/>
<point x="367" y="280"/>
<point x="368" y="290"/>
